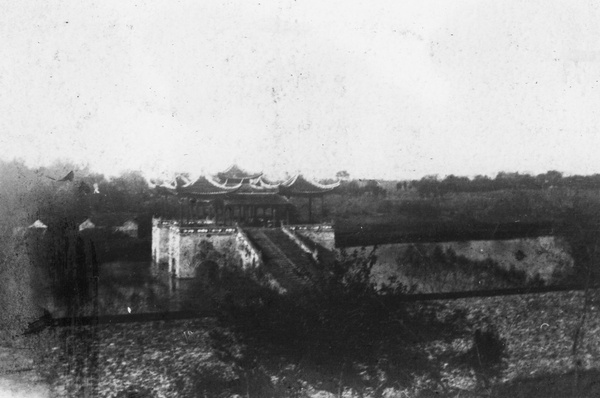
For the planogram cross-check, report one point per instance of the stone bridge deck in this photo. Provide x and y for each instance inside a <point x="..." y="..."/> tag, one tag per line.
<point x="292" y="267"/>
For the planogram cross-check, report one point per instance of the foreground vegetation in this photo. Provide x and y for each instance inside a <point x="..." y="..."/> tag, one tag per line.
<point x="524" y="349"/>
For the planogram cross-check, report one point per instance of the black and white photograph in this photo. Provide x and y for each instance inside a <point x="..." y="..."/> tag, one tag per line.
<point x="299" y="199"/>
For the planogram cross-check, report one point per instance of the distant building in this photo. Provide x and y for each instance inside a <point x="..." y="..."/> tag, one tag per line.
<point x="87" y="224"/>
<point x="38" y="225"/>
<point x="126" y="223"/>
<point x="37" y="228"/>
<point x="129" y="227"/>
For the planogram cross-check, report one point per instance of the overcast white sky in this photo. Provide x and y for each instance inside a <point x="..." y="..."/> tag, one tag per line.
<point x="387" y="89"/>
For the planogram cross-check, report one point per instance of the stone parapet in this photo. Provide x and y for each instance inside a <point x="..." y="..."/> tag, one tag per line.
<point x="250" y="254"/>
<point x="314" y="252"/>
<point x="323" y="234"/>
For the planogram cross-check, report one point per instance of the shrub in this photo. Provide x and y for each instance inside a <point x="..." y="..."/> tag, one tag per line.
<point x="487" y="354"/>
<point x="339" y="329"/>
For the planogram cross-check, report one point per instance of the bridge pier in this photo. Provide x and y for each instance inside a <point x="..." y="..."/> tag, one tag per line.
<point x="160" y="242"/>
<point x="175" y="246"/>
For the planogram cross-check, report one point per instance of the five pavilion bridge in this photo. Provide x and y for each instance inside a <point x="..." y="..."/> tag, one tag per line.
<point x="244" y="214"/>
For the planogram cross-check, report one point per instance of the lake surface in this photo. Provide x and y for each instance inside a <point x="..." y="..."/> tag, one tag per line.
<point x="139" y="287"/>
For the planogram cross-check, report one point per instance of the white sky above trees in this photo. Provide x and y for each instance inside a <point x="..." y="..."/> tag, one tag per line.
<point x="383" y="89"/>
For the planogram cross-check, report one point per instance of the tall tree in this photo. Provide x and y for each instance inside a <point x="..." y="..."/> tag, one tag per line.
<point x="581" y="230"/>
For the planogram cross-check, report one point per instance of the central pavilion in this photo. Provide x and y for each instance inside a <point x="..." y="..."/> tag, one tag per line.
<point x="237" y="196"/>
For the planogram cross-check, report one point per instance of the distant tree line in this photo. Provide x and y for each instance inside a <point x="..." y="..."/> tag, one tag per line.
<point x="433" y="186"/>
<point x="362" y="187"/>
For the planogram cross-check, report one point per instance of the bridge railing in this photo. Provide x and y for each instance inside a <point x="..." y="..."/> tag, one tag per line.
<point x="305" y="244"/>
<point x="310" y="227"/>
<point x="250" y="246"/>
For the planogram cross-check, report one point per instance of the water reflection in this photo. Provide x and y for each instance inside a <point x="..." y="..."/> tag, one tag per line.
<point x="144" y="287"/>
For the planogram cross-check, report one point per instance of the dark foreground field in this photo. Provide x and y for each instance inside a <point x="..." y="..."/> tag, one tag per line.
<point x="203" y="358"/>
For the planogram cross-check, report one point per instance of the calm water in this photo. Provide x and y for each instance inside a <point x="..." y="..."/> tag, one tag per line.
<point x="139" y="287"/>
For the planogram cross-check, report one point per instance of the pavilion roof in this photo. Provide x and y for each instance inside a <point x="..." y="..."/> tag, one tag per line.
<point x="206" y="187"/>
<point x="165" y="189"/>
<point x="299" y="186"/>
<point x="263" y="182"/>
<point x="256" y="189"/>
<point x="236" y="174"/>
<point x="182" y="181"/>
